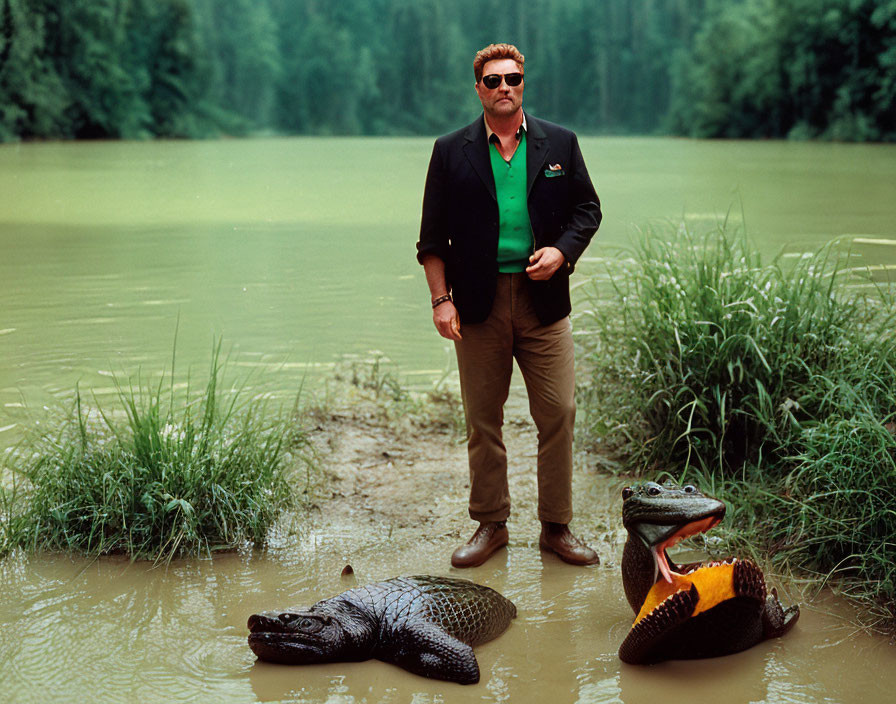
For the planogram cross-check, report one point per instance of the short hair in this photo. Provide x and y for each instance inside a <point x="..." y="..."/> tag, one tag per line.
<point x="493" y="52"/>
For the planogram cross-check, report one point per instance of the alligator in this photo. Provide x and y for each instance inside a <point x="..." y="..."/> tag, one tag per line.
<point x="696" y="610"/>
<point x="427" y="625"/>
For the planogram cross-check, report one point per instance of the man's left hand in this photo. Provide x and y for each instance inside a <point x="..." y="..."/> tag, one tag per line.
<point x="544" y="262"/>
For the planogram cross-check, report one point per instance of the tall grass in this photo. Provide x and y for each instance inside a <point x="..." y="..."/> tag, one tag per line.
<point x="376" y="378"/>
<point x="163" y="474"/>
<point x="775" y="383"/>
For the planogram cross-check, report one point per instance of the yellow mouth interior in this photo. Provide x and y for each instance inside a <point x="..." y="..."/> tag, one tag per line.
<point x="714" y="582"/>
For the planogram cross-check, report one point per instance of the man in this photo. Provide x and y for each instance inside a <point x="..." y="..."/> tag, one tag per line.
<point x="508" y="208"/>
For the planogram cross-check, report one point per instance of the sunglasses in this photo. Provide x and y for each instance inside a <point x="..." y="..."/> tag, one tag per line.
<point x="493" y="80"/>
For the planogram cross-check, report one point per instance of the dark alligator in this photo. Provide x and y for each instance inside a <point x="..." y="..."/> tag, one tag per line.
<point x="427" y="625"/>
<point x="696" y="610"/>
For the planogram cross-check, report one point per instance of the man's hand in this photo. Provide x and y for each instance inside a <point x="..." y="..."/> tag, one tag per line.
<point x="446" y="320"/>
<point x="544" y="262"/>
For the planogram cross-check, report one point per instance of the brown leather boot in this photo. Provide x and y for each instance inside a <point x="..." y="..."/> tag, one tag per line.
<point x="557" y="538"/>
<point x="488" y="538"/>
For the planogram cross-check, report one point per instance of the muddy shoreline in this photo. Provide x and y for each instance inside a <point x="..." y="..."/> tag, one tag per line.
<point x="395" y="472"/>
<point x="404" y="475"/>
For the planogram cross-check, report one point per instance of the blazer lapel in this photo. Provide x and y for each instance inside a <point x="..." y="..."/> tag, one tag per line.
<point x="536" y="151"/>
<point x="476" y="150"/>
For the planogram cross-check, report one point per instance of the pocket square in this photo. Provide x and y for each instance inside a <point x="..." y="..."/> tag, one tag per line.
<point x="554" y="170"/>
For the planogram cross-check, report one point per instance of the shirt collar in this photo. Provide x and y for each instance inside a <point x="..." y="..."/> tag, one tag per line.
<point x="489" y="132"/>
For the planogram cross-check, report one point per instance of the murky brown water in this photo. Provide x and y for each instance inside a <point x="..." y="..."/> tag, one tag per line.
<point x="110" y="631"/>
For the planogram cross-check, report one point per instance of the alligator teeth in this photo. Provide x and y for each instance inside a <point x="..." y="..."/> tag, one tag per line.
<point x="710" y="584"/>
<point x="711" y="564"/>
<point x="672" y="595"/>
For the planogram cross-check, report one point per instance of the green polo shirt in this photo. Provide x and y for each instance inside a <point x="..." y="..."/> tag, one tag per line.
<point x="515" y="239"/>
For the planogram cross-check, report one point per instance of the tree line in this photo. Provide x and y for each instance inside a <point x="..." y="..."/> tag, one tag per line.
<point x="195" y="68"/>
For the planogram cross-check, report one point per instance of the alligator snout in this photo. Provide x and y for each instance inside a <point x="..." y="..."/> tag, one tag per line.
<point x="271" y="621"/>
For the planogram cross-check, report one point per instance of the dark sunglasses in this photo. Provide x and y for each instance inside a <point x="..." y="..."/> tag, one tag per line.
<point x="493" y="80"/>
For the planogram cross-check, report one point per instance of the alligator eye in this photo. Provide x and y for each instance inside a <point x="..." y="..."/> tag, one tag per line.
<point x="653" y="490"/>
<point x="627" y="493"/>
<point x="306" y="623"/>
<point x="690" y="489"/>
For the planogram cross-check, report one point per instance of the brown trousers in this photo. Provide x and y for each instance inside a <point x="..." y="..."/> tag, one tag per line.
<point x="545" y="356"/>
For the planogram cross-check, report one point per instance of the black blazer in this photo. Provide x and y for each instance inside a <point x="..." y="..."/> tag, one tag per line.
<point x="460" y="214"/>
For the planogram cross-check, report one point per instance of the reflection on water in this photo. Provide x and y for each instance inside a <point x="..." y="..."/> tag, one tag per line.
<point x="112" y="631"/>
<point x="105" y="246"/>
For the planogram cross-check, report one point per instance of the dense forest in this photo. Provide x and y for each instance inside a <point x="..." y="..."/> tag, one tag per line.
<point x="194" y="68"/>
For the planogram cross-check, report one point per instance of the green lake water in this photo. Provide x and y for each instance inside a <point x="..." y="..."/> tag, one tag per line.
<point x="297" y="252"/>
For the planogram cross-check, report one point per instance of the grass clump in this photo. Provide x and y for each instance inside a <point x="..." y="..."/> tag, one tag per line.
<point x="375" y="378"/>
<point x="772" y="384"/>
<point x="166" y="474"/>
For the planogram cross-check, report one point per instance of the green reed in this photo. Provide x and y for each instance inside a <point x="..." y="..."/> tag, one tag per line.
<point x="163" y="474"/>
<point x="773" y="384"/>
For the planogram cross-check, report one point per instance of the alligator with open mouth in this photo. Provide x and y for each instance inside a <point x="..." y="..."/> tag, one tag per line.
<point x="690" y="611"/>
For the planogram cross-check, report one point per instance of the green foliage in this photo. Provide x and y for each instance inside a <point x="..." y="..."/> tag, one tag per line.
<point x="35" y="99"/>
<point x="376" y="379"/>
<point x="163" y="475"/>
<point x="179" y="69"/>
<point x="191" y="68"/>
<point x="798" y="68"/>
<point x="242" y="50"/>
<point x="774" y="384"/>
<point x="843" y="486"/>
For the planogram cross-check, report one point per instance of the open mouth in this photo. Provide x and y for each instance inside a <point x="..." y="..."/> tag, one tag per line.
<point x="714" y="580"/>
<point x="694" y="528"/>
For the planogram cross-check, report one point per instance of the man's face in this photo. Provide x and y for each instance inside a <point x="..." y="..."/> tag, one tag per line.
<point x="504" y="100"/>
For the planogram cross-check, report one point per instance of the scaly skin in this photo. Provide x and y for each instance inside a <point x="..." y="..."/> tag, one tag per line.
<point x="682" y="626"/>
<point x="426" y="625"/>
